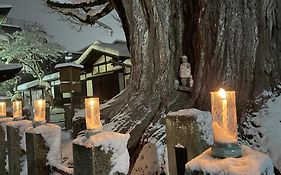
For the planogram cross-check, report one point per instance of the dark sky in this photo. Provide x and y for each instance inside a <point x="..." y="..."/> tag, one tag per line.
<point x="62" y="31"/>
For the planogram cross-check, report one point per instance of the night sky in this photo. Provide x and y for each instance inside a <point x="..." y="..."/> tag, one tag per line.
<point x="62" y="31"/>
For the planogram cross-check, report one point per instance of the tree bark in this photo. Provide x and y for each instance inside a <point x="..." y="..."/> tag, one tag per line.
<point x="156" y="29"/>
<point x="231" y="44"/>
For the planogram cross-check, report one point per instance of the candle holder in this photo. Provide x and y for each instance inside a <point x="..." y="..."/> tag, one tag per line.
<point x="39" y="112"/>
<point x="17" y="110"/>
<point x="92" y="116"/>
<point x="3" y="109"/>
<point x="224" y="124"/>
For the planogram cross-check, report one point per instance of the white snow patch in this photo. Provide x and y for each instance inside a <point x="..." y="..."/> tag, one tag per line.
<point x="113" y="142"/>
<point x="147" y="161"/>
<point x="61" y="65"/>
<point x="265" y="126"/>
<point x="251" y="163"/>
<point x="52" y="136"/>
<point x="178" y="145"/>
<point x="203" y="120"/>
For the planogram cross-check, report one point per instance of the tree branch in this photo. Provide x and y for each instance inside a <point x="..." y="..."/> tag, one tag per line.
<point x="90" y="15"/>
<point x="81" y="4"/>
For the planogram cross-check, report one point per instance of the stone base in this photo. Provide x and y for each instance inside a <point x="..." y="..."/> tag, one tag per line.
<point x="225" y="151"/>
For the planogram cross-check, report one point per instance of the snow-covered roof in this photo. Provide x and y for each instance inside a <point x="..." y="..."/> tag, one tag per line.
<point x="34" y="83"/>
<point x="114" y="49"/>
<point x="5" y="6"/>
<point x="71" y="64"/>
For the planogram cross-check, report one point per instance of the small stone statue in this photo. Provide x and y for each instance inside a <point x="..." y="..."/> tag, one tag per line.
<point x="185" y="72"/>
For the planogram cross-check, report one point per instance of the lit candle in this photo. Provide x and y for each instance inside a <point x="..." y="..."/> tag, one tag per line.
<point x="224" y="124"/>
<point x="39" y="110"/>
<point x="3" y="109"/>
<point x="222" y="94"/>
<point x="17" y="109"/>
<point x="92" y="114"/>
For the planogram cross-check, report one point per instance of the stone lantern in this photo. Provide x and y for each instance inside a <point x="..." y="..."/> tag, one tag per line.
<point x="69" y="83"/>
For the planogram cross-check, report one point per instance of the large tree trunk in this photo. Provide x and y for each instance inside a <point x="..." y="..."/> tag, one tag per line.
<point x="234" y="44"/>
<point x="231" y="43"/>
<point x="156" y="29"/>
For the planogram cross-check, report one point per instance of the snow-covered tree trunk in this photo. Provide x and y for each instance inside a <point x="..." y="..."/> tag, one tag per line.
<point x="234" y="44"/>
<point x="156" y="29"/>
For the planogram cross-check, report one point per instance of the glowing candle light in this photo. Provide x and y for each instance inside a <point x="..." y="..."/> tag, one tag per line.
<point x="39" y="110"/>
<point x="17" y="109"/>
<point x="92" y="114"/>
<point x="224" y="124"/>
<point x="222" y="94"/>
<point x="3" y="109"/>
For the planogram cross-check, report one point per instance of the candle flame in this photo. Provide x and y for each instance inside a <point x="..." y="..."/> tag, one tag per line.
<point x="222" y="93"/>
<point x="91" y="102"/>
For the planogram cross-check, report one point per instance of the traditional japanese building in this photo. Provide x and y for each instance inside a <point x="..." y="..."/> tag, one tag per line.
<point x="106" y="72"/>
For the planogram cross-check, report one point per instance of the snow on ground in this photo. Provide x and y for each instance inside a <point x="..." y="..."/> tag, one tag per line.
<point x="152" y="158"/>
<point x="110" y="142"/>
<point x="261" y="128"/>
<point x="251" y="163"/>
<point x="66" y="145"/>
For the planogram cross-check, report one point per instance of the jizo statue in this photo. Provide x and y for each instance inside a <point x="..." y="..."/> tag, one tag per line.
<point x="185" y="72"/>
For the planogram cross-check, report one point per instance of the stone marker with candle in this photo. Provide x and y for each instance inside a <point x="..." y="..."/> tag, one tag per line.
<point x="17" y="109"/>
<point x="39" y="112"/>
<point x="92" y="116"/>
<point x="3" y="110"/>
<point x="224" y="124"/>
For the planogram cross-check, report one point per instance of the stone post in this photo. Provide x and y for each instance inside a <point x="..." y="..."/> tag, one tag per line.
<point x="68" y="114"/>
<point x="78" y="125"/>
<point x="40" y="141"/>
<point x="3" y="144"/>
<point x="101" y="154"/>
<point x="187" y="136"/>
<point x="16" y="146"/>
<point x="48" y="113"/>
